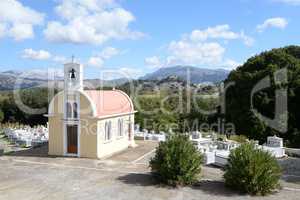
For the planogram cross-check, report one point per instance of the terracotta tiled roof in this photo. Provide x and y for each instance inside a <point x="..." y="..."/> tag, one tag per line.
<point x="110" y="102"/>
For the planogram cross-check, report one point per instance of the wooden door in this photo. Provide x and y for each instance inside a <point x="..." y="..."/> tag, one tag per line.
<point x="72" y="133"/>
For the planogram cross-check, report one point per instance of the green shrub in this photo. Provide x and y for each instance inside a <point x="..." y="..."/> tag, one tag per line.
<point x="177" y="161"/>
<point x="252" y="170"/>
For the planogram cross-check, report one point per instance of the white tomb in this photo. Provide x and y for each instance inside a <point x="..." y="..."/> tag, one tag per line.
<point x="274" y="141"/>
<point x="274" y="145"/>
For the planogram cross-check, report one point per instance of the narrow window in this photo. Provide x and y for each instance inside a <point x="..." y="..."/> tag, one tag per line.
<point x="75" y="111"/>
<point x="120" y="127"/>
<point x="69" y="110"/>
<point x="108" y="130"/>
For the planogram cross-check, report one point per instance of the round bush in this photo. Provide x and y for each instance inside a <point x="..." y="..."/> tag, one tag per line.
<point x="177" y="161"/>
<point x="252" y="170"/>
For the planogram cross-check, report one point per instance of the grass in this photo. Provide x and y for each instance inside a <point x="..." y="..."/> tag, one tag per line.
<point x="239" y="138"/>
<point x="24" y="146"/>
<point x="5" y="138"/>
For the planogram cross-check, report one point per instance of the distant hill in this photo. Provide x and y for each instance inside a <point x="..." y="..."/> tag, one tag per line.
<point x="196" y="74"/>
<point x="37" y="78"/>
<point x="8" y="81"/>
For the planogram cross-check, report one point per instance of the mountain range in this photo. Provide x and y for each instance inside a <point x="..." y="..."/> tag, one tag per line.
<point x="10" y="80"/>
<point x="39" y="78"/>
<point x="195" y="75"/>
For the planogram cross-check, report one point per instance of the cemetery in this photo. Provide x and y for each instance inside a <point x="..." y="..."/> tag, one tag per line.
<point x="148" y="135"/>
<point x="25" y="136"/>
<point x="215" y="151"/>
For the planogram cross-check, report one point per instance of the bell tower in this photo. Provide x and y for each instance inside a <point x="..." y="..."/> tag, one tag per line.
<point x="73" y="84"/>
<point x="73" y="77"/>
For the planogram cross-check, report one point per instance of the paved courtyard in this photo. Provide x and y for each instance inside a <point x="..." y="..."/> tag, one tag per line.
<point x="29" y="175"/>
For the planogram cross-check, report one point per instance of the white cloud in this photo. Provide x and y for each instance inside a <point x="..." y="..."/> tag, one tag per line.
<point x="36" y="55"/>
<point x="59" y="59"/>
<point x="43" y="55"/>
<point x="230" y="64"/>
<point x="277" y="22"/>
<point x="21" y="31"/>
<point x="90" y="21"/>
<point x="67" y="9"/>
<point x="99" y="59"/>
<point x="195" y="53"/>
<point x="195" y="49"/>
<point x="291" y="2"/>
<point x="17" y="20"/>
<point x="108" y="52"/>
<point x="153" y="62"/>
<point x="219" y="32"/>
<point x="2" y="30"/>
<point x="248" y="41"/>
<point x="95" y="61"/>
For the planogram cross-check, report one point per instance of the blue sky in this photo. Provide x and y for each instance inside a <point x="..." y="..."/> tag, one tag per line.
<point x="137" y="37"/>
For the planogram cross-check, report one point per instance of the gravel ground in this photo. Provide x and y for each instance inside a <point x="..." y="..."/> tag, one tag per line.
<point x="30" y="181"/>
<point x="32" y="178"/>
<point x="291" y="170"/>
<point x="290" y="165"/>
<point x="25" y="175"/>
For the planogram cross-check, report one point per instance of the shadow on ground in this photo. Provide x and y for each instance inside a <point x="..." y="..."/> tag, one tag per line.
<point x="214" y="187"/>
<point x="210" y="187"/>
<point x="41" y="151"/>
<point x="138" y="179"/>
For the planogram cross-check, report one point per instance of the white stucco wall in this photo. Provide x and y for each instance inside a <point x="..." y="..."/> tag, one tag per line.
<point x="116" y="144"/>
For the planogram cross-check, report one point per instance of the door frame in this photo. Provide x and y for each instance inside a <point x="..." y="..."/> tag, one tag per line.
<point x="67" y="122"/>
<point x="75" y="128"/>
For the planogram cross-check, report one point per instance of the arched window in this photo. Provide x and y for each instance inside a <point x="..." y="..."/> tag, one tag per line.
<point x="108" y="130"/>
<point x="75" y="111"/>
<point x="69" y="110"/>
<point x="120" y="127"/>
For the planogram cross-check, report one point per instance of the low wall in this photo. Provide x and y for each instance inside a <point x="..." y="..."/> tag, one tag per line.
<point x="292" y="152"/>
<point x="275" y="151"/>
<point x="220" y="160"/>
